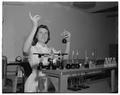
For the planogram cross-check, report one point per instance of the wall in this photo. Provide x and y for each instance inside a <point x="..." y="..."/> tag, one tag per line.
<point x="89" y="31"/>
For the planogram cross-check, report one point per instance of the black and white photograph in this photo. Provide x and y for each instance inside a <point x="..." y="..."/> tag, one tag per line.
<point x="60" y="47"/>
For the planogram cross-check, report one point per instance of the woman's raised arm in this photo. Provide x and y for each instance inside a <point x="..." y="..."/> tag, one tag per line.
<point x="29" y="40"/>
<point x="68" y="37"/>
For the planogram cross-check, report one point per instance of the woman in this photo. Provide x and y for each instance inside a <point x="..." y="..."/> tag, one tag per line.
<point x="36" y="43"/>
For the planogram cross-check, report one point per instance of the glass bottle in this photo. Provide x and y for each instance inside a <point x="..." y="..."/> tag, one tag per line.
<point x="73" y="55"/>
<point x="86" y="64"/>
<point x="77" y="57"/>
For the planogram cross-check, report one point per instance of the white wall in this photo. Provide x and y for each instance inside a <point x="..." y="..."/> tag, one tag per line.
<point x="89" y="31"/>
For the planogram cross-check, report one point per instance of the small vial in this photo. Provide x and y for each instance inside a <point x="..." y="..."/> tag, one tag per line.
<point x="73" y="54"/>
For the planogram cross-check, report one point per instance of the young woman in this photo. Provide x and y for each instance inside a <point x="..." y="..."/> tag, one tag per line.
<point x="37" y="43"/>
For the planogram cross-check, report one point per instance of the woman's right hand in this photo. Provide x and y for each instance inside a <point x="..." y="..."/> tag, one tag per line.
<point x="35" y="18"/>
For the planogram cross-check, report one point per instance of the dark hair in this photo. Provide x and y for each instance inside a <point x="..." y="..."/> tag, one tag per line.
<point x="35" y="40"/>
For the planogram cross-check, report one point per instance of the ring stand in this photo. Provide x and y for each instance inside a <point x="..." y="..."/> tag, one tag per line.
<point x="59" y="62"/>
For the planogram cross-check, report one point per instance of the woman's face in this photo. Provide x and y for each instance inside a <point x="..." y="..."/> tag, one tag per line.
<point x="42" y="35"/>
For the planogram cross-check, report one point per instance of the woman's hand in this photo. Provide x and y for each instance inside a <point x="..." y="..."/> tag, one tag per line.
<point x="67" y="35"/>
<point x="54" y="55"/>
<point x="45" y="61"/>
<point x="35" y="18"/>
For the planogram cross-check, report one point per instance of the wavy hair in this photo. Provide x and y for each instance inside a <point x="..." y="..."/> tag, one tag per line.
<point x="35" y="40"/>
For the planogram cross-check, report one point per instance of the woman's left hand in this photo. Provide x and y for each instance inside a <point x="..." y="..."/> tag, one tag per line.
<point x="67" y="35"/>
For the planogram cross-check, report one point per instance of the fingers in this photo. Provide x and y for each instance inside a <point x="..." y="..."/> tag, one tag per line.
<point x="64" y="33"/>
<point x="30" y="15"/>
<point x="67" y="34"/>
<point x="37" y="17"/>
